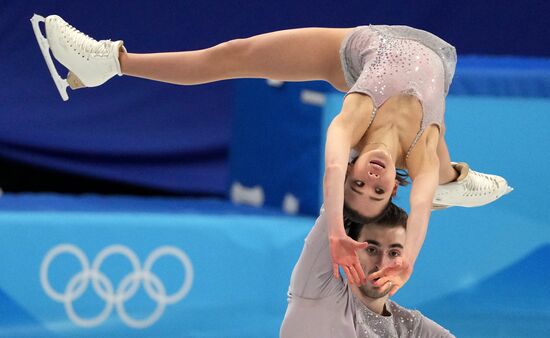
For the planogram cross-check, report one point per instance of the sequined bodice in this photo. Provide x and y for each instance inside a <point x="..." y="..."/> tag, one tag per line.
<point x="384" y="61"/>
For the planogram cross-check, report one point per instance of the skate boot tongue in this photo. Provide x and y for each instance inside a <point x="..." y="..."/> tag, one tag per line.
<point x="463" y="169"/>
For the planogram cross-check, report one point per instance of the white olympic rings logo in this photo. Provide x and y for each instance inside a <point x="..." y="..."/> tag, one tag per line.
<point x="126" y="289"/>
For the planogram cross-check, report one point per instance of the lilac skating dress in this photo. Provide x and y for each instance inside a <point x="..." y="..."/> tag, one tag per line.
<point x="384" y="61"/>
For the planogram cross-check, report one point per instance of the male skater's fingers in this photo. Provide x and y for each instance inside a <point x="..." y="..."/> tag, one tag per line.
<point x="335" y="271"/>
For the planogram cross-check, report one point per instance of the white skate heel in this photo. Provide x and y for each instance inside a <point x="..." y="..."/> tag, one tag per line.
<point x="471" y="189"/>
<point x="90" y="62"/>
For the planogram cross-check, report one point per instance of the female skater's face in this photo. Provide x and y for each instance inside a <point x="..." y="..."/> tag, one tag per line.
<point x="370" y="183"/>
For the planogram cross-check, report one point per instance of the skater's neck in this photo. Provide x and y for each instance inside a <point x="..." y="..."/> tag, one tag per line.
<point x="386" y="139"/>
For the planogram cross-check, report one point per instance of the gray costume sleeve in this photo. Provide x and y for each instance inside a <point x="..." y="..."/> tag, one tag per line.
<point x="312" y="275"/>
<point x="430" y="329"/>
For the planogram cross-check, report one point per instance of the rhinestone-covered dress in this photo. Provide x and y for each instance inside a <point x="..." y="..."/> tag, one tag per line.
<point x="384" y="61"/>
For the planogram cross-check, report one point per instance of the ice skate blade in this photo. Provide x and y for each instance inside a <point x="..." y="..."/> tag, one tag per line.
<point x="60" y="83"/>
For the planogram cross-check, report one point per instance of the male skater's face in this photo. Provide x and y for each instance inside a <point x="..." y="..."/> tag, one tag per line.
<point x="385" y="245"/>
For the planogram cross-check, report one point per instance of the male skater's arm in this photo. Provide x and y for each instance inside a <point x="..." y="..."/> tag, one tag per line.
<point x="317" y="302"/>
<point x="312" y="275"/>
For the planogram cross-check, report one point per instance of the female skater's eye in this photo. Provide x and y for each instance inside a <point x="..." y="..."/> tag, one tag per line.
<point x="359" y="183"/>
<point x="379" y="191"/>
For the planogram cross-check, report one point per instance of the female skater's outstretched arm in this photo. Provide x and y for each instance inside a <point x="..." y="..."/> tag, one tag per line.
<point x="424" y="168"/>
<point x="344" y="132"/>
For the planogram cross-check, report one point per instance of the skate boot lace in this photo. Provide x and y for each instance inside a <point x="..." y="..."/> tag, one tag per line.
<point x="479" y="184"/>
<point x="83" y="44"/>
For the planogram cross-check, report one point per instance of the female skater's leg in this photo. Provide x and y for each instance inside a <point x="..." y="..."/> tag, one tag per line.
<point x="289" y="55"/>
<point x="461" y="186"/>
<point x="446" y="171"/>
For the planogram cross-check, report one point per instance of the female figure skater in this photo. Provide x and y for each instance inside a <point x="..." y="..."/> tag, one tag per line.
<point x="396" y="79"/>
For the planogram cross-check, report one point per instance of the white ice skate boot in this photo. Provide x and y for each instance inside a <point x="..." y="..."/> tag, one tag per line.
<point x="471" y="189"/>
<point x="90" y="62"/>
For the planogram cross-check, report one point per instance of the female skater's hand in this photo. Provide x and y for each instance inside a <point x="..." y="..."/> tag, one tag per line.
<point x="397" y="273"/>
<point x="343" y="250"/>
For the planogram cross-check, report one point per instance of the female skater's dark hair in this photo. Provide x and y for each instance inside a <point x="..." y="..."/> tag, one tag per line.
<point x="402" y="177"/>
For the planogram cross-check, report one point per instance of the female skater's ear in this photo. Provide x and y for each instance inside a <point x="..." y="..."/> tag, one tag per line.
<point x="394" y="192"/>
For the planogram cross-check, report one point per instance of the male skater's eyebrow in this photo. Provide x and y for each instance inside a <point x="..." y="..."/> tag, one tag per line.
<point x="373" y="242"/>
<point x="396" y="245"/>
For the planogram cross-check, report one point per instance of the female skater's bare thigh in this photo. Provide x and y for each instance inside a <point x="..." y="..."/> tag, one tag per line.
<point x="293" y="55"/>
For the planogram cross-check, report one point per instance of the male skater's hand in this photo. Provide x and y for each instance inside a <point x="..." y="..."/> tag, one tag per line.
<point x="397" y="274"/>
<point x="343" y="250"/>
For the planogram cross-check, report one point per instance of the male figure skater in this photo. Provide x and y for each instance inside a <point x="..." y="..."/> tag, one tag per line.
<point x="321" y="306"/>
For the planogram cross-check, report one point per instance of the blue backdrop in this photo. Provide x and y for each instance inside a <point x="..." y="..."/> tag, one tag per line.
<point x="176" y="138"/>
<point x="482" y="272"/>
